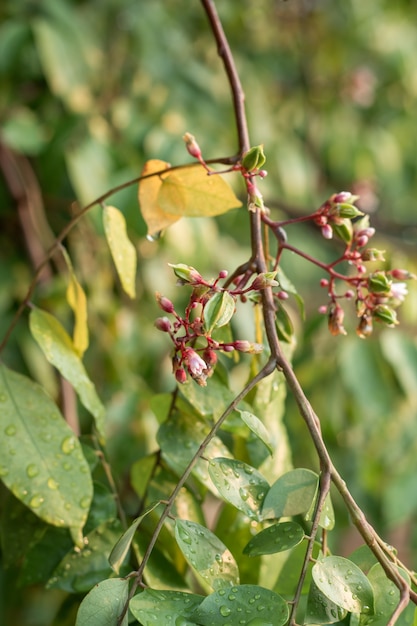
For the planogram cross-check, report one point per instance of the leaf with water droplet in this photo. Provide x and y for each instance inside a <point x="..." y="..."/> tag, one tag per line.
<point x="240" y="484"/>
<point x="160" y="608"/>
<point x="386" y="594"/>
<point x="292" y="494"/>
<point x="120" y="550"/>
<point x="37" y="464"/>
<point x="59" y="350"/>
<point x="321" y="610"/>
<point x="122" y="249"/>
<point x="80" y="569"/>
<point x="343" y="583"/>
<point x="249" y="605"/>
<point x="327" y="519"/>
<point x="206" y="554"/>
<point x="275" y="538"/>
<point x="104" y="603"/>
<point x="258" y="429"/>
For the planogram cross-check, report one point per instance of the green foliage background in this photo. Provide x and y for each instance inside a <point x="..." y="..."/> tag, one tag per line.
<point x="90" y="90"/>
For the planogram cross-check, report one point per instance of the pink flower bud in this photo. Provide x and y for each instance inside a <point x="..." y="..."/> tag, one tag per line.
<point x="343" y="196"/>
<point x="401" y="274"/>
<point x="180" y="375"/>
<point x="282" y="295"/>
<point x="163" y="323"/>
<point x="228" y="348"/>
<point x="262" y="173"/>
<point x="192" y="146"/>
<point x="324" y="282"/>
<point x="247" y="346"/>
<point x="223" y="274"/>
<point x="362" y="241"/>
<point x="349" y="294"/>
<point x="195" y="364"/>
<point x="327" y="231"/>
<point x="210" y="357"/>
<point x="165" y="304"/>
<point x="322" y="309"/>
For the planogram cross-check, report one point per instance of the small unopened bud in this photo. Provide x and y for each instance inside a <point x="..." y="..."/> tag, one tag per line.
<point x="385" y="314"/>
<point x="165" y="304"/>
<point x="163" y="323"/>
<point x="210" y="357"/>
<point x="262" y="173"/>
<point x="192" y="146"/>
<point x="368" y="232"/>
<point x="327" y="231"/>
<point x="343" y="196"/>
<point x="362" y="241"/>
<point x="267" y="279"/>
<point x="228" y="348"/>
<point x="254" y="158"/>
<point x="187" y="274"/>
<point x="379" y="283"/>
<point x="322" y="309"/>
<point x="223" y="274"/>
<point x="373" y="254"/>
<point x="365" y="327"/>
<point x="349" y="294"/>
<point x="180" y="375"/>
<point x="282" y="295"/>
<point x="324" y="282"/>
<point x="402" y="274"/>
<point x="247" y="346"/>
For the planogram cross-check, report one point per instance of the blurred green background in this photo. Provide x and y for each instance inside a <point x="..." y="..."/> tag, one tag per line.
<point x="89" y="90"/>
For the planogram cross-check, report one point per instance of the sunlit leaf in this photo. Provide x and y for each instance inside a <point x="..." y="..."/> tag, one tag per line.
<point x="291" y="494"/>
<point x="121" y="248"/>
<point x="206" y="554"/>
<point x="386" y="594"/>
<point x="84" y="567"/>
<point x="191" y="192"/>
<point x="344" y="583"/>
<point x="78" y="302"/>
<point x="327" y="518"/>
<point x="155" y="218"/>
<point x="41" y="460"/>
<point x="153" y="607"/>
<point x="321" y="610"/>
<point x="275" y="538"/>
<point x="219" y="310"/>
<point x="246" y="605"/>
<point x="122" y="547"/>
<point x="104" y="603"/>
<point x="59" y="350"/>
<point x="240" y="484"/>
<point x="257" y="427"/>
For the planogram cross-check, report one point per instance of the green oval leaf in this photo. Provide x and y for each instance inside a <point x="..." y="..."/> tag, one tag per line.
<point x="122" y="249"/>
<point x="206" y="554"/>
<point x="122" y="547"/>
<point x="276" y="538"/>
<point x="344" y="583"/>
<point x="258" y="428"/>
<point x="291" y="494"/>
<point x="191" y="192"/>
<point x="41" y="460"/>
<point x="386" y="593"/>
<point x="240" y="484"/>
<point x="321" y="610"/>
<point x="245" y="605"/>
<point x="153" y="607"/>
<point x="104" y="603"/>
<point x="219" y="310"/>
<point x="59" y="350"/>
<point x="84" y="567"/>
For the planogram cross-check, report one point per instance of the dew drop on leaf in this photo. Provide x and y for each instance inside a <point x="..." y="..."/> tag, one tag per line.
<point x="68" y="445"/>
<point x="32" y="470"/>
<point x="36" y="501"/>
<point x="10" y="430"/>
<point x="225" y="611"/>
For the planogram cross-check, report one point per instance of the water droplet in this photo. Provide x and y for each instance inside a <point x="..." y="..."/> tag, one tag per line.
<point x="243" y="494"/>
<point x="68" y="445"/>
<point x="36" y="501"/>
<point x="251" y="600"/>
<point x="46" y="437"/>
<point x="248" y="469"/>
<point x="260" y="607"/>
<point x="67" y="506"/>
<point x="3" y="471"/>
<point x="184" y="535"/>
<point x="10" y="430"/>
<point x="257" y="596"/>
<point x="236" y="473"/>
<point x="391" y="592"/>
<point x="225" y="611"/>
<point x="260" y="495"/>
<point x="32" y="470"/>
<point x="222" y="592"/>
<point x="3" y="397"/>
<point x="67" y="466"/>
<point x="366" y="608"/>
<point x="218" y="558"/>
<point x="85" y="502"/>
<point x="52" y="484"/>
<point x="231" y="597"/>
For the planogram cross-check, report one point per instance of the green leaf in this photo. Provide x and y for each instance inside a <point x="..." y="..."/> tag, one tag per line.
<point x="218" y="311"/>
<point x="141" y="473"/>
<point x="344" y="583"/>
<point x="276" y="538"/>
<point x="122" y="249"/>
<point x="78" y="302"/>
<point x="321" y="610"/>
<point x="246" y="605"/>
<point x="122" y="547"/>
<point x="41" y="460"/>
<point x="240" y="484"/>
<point x="80" y="569"/>
<point x="258" y="429"/>
<point x="291" y="494"/>
<point x="104" y="603"/>
<point x="327" y="519"/>
<point x="192" y="192"/>
<point x="386" y="593"/>
<point x="59" y="350"/>
<point x="153" y="607"/>
<point x="206" y="554"/>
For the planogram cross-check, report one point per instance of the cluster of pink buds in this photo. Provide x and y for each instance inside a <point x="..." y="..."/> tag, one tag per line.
<point x="210" y="307"/>
<point x="335" y="215"/>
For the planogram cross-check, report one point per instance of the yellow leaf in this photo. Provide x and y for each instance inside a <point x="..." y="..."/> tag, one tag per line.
<point x="191" y="192"/>
<point x="155" y="218"/>
<point x="122" y="249"/>
<point x="78" y="302"/>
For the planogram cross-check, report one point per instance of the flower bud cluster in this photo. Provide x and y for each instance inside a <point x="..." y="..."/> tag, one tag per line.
<point x="210" y="306"/>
